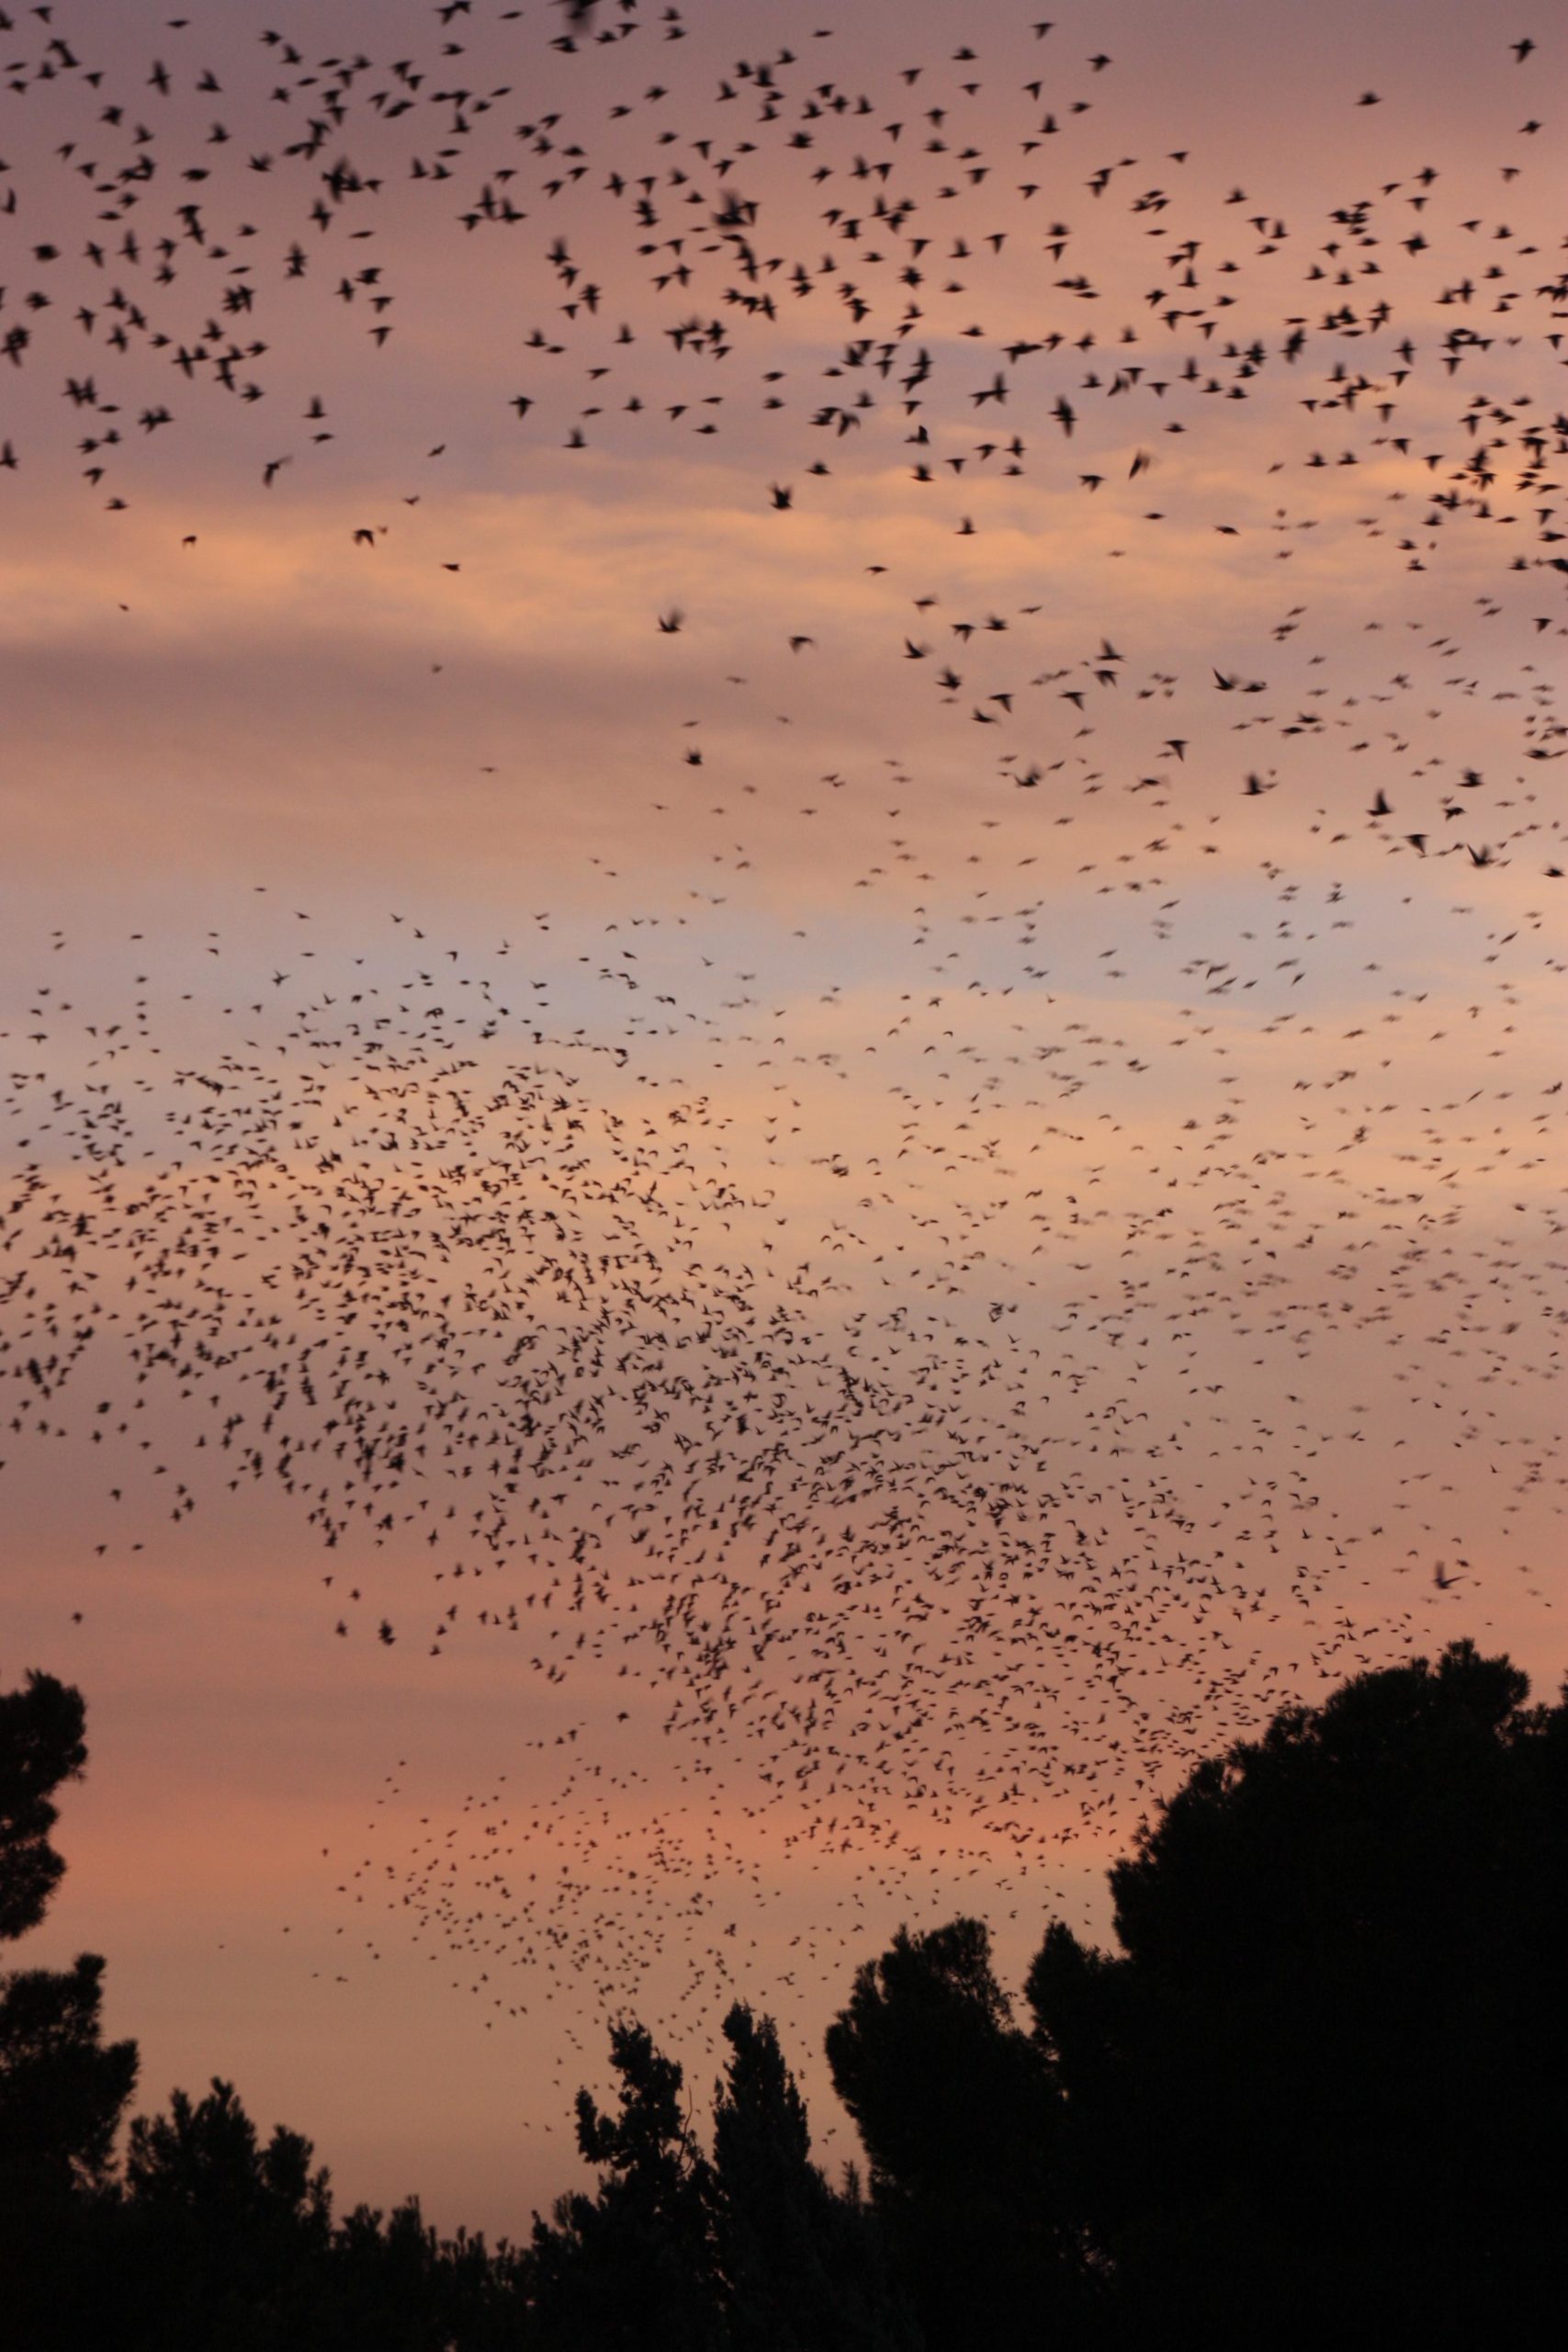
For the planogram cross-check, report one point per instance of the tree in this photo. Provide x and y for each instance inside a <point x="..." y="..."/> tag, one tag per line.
<point x="1317" y="2089"/>
<point x="803" y="2266"/>
<point x="399" y="2287"/>
<point x="1327" y="2069"/>
<point x="227" y="2237"/>
<point x="205" y="2236"/>
<point x="41" y="1744"/>
<point x="62" y="2089"/>
<point x="632" y="2268"/>
<point x="961" y="2116"/>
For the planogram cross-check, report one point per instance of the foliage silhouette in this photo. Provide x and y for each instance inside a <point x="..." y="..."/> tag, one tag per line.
<point x="961" y="2115"/>
<point x="1328" y="2069"/>
<point x="634" y="2265"/>
<point x="62" y="2089"/>
<point x="750" y="2250"/>
<point x="804" y="2266"/>
<point x="41" y="1745"/>
<point x="1317" y="2091"/>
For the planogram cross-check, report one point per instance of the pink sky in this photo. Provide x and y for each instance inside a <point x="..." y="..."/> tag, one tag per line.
<point x="1157" y="1180"/>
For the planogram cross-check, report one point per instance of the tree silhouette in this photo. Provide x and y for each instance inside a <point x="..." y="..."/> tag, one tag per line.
<point x="632" y="2267"/>
<point x="752" y="2251"/>
<point x="1327" y="2071"/>
<point x="219" y="2226"/>
<point x="1317" y="2091"/>
<point x="62" y="2089"/>
<point x="802" y="2266"/>
<point x="961" y="2118"/>
<point x="399" y="2287"/>
<point x="41" y="1744"/>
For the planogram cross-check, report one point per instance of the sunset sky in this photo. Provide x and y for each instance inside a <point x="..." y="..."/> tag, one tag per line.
<point x="837" y="859"/>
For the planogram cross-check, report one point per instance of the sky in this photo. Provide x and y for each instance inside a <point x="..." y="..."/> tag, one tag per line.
<point x="781" y="973"/>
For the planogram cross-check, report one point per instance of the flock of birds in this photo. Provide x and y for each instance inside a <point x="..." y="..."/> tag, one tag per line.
<point x="888" y="1417"/>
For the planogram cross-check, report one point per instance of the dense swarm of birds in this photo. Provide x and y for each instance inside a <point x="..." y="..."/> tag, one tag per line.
<point x="927" y="1403"/>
